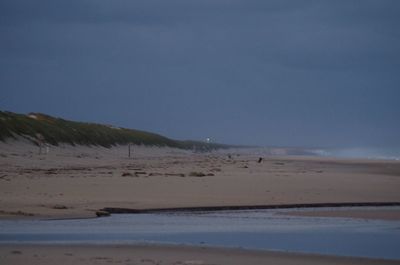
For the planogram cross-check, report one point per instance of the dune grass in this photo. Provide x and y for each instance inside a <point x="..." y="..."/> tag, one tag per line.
<point x="54" y="131"/>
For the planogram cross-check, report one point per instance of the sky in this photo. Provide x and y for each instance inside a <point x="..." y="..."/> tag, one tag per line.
<point x="254" y="72"/>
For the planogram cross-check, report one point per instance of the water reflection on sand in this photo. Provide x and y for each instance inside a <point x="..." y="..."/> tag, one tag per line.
<point x="261" y="229"/>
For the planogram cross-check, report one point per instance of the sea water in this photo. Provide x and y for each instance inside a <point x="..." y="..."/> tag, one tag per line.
<point x="261" y="229"/>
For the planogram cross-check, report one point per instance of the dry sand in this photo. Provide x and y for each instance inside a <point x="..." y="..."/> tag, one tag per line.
<point x="164" y="255"/>
<point x="77" y="181"/>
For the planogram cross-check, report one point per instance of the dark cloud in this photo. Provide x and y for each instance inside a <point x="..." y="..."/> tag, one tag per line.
<point x="251" y="72"/>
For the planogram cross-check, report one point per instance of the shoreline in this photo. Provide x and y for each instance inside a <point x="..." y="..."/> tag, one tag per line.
<point x="329" y="210"/>
<point x="116" y="210"/>
<point x="166" y="254"/>
<point x="357" y="213"/>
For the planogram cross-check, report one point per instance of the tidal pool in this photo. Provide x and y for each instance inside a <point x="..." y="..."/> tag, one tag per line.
<point x="261" y="229"/>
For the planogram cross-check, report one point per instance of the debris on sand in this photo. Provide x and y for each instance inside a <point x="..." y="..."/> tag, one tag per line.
<point x="60" y="207"/>
<point x="102" y="213"/>
<point x="197" y="174"/>
<point x="175" y="174"/>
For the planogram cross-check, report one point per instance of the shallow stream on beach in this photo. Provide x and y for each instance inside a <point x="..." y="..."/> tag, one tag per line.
<point x="261" y="229"/>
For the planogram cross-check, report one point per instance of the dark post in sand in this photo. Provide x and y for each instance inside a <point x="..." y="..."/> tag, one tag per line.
<point x="129" y="149"/>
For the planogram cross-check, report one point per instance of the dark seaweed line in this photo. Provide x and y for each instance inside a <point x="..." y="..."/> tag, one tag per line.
<point x="114" y="210"/>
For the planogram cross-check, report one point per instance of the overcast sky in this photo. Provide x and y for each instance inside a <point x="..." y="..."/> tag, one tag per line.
<point x="292" y="73"/>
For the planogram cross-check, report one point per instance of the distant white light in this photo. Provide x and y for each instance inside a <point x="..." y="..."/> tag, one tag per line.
<point x="208" y="140"/>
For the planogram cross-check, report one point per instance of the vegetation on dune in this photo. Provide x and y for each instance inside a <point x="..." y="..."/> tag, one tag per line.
<point x="56" y="130"/>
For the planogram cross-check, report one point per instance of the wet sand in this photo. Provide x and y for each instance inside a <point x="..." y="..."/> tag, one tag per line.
<point x="371" y="214"/>
<point x="166" y="255"/>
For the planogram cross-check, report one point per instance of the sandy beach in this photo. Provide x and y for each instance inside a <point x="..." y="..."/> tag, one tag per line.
<point x="168" y="255"/>
<point x="75" y="182"/>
